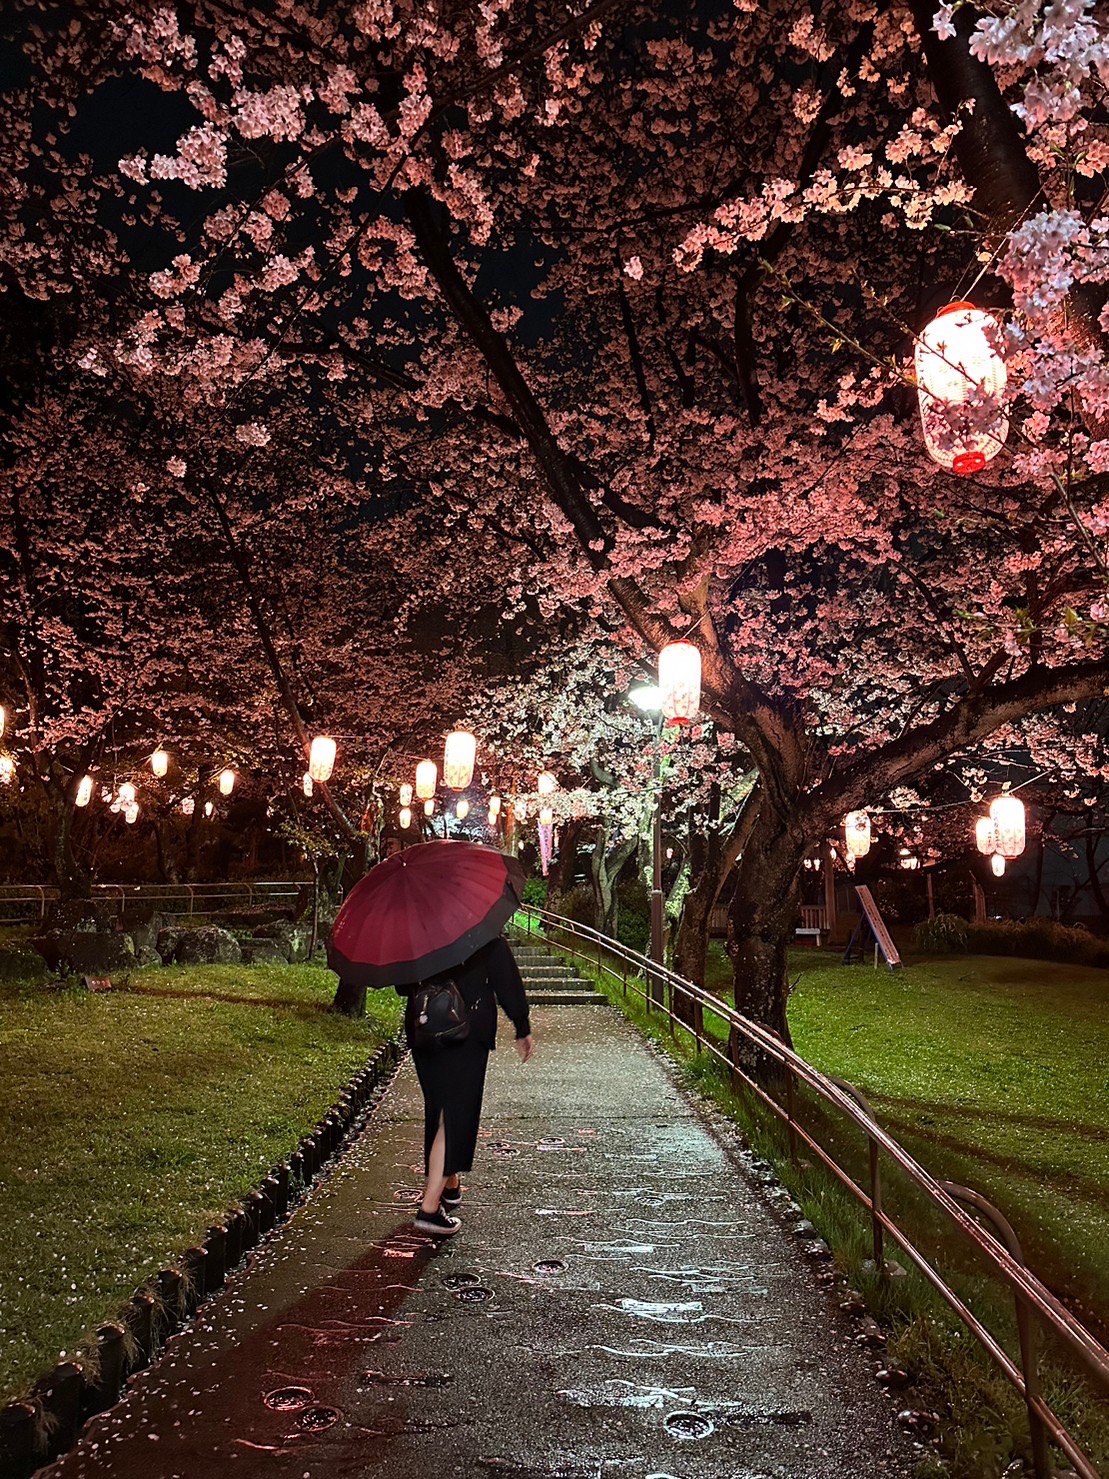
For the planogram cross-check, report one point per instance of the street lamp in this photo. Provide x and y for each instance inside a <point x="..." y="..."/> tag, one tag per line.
<point x="647" y="697"/>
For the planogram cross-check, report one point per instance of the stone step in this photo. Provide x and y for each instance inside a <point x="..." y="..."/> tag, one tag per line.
<point x="567" y="999"/>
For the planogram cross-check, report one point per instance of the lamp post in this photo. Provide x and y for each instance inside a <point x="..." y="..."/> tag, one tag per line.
<point x="648" y="699"/>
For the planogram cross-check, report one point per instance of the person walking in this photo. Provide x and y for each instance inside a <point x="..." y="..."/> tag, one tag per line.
<point x="428" y="923"/>
<point x="452" y="1075"/>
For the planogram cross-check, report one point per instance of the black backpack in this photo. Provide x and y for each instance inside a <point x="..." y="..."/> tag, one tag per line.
<point x="439" y="1015"/>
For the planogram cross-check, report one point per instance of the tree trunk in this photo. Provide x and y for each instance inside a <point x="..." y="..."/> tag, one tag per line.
<point x="560" y="875"/>
<point x="73" y="882"/>
<point x="764" y="913"/>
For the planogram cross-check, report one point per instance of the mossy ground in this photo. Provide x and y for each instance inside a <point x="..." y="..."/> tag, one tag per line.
<point x="131" y="1119"/>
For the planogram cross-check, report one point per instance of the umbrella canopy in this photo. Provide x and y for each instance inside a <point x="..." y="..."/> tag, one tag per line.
<point x="423" y="910"/>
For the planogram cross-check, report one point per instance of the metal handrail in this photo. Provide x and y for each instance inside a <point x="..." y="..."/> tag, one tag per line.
<point x="210" y="896"/>
<point x="1031" y="1295"/>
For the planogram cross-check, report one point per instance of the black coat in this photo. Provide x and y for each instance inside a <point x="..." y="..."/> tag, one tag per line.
<point x="489" y="976"/>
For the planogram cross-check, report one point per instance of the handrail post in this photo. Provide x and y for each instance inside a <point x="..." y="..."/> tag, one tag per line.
<point x="1026" y="1334"/>
<point x="878" y="1231"/>
<point x="791" y="1107"/>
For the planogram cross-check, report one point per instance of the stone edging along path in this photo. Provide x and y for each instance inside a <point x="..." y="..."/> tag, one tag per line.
<point x="36" y="1431"/>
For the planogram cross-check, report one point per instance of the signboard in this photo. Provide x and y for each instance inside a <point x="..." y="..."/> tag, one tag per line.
<point x="873" y="922"/>
<point x="97" y="983"/>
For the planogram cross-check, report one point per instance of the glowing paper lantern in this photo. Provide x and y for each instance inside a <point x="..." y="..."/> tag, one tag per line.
<point x="956" y="362"/>
<point x="159" y="762"/>
<point x="458" y="759"/>
<point x="492" y="817"/>
<point x="429" y="808"/>
<point x="406" y="794"/>
<point x="3" y="719"/>
<point x="908" y="860"/>
<point x="679" y="681"/>
<point x="209" y="808"/>
<point x="1007" y="813"/>
<point x="84" y="791"/>
<point x="321" y="758"/>
<point x="307" y="784"/>
<point x="997" y="863"/>
<point x="462" y="809"/>
<point x="7" y="770"/>
<point x="131" y="813"/>
<point x="984" y="835"/>
<point x="546" y="816"/>
<point x="126" y="793"/>
<point x="405" y="817"/>
<point x="226" y="782"/>
<point x="856" y="834"/>
<point x="426" y="776"/>
<point x="188" y="806"/>
<point x="547" y="783"/>
<point x="494" y="805"/>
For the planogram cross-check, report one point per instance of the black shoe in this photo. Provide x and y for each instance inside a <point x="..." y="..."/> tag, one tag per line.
<point x="452" y="1195"/>
<point x="437" y="1223"/>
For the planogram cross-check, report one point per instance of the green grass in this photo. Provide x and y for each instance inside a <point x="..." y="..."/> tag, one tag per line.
<point x="983" y="1423"/>
<point x="992" y="1072"/>
<point x="130" y="1120"/>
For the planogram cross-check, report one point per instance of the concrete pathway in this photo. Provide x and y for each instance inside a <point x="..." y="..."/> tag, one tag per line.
<point x="619" y="1303"/>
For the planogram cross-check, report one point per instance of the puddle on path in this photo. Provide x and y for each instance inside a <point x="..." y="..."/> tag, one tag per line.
<point x="288" y="1399"/>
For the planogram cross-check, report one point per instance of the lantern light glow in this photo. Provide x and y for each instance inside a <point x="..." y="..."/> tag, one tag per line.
<point x="406" y="794"/>
<point x="226" y="782"/>
<point x="856" y="834"/>
<point x="159" y="762"/>
<point x="462" y="808"/>
<point x="984" y="835"/>
<point x="405" y="817"/>
<point x="997" y="863"/>
<point x="958" y="366"/>
<point x="321" y="758"/>
<point x="188" y="806"/>
<point x="546" y="816"/>
<point x="126" y="793"/>
<point x="427" y="774"/>
<point x="458" y="759"/>
<point x="307" y="784"/>
<point x="84" y="791"/>
<point x="1007" y="814"/>
<point x="131" y="813"/>
<point x="429" y="807"/>
<point x="494" y="805"/>
<point x="679" y="681"/>
<point x="209" y="808"/>
<point x="547" y="783"/>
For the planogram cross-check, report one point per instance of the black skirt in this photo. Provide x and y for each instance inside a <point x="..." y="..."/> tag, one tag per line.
<point x="453" y="1082"/>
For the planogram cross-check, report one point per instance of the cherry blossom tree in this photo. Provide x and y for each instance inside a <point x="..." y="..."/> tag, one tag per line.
<point x="619" y="307"/>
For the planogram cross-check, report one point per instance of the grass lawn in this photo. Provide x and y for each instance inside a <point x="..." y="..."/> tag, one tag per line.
<point x="994" y="1073"/>
<point x="130" y="1120"/>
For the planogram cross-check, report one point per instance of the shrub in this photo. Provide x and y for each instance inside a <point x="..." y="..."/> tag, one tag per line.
<point x="577" y="904"/>
<point x="941" y="935"/>
<point x="1039" y="939"/>
<point x="633" y="925"/>
<point x="535" y="892"/>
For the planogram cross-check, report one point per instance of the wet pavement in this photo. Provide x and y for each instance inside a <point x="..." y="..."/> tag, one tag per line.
<point x="620" y="1302"/>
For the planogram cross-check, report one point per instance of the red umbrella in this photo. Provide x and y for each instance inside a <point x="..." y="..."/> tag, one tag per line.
<point x="422" y="911"/>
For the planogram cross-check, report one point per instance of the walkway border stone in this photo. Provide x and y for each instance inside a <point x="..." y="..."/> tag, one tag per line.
<point x="40" y="1429"/>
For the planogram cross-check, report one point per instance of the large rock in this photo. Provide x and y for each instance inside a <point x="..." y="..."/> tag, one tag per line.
<point x="167" y="942"/>
<point x="207" y="946"/>
<point x="77" y="951"/>
<point x="146" y="955"/>
<point x="144" y="924"/>
<point x="85" y="916"/>
<point x="292" y="939"/>
<point x="263" y="952"/>
<point x="19" y="964"/>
